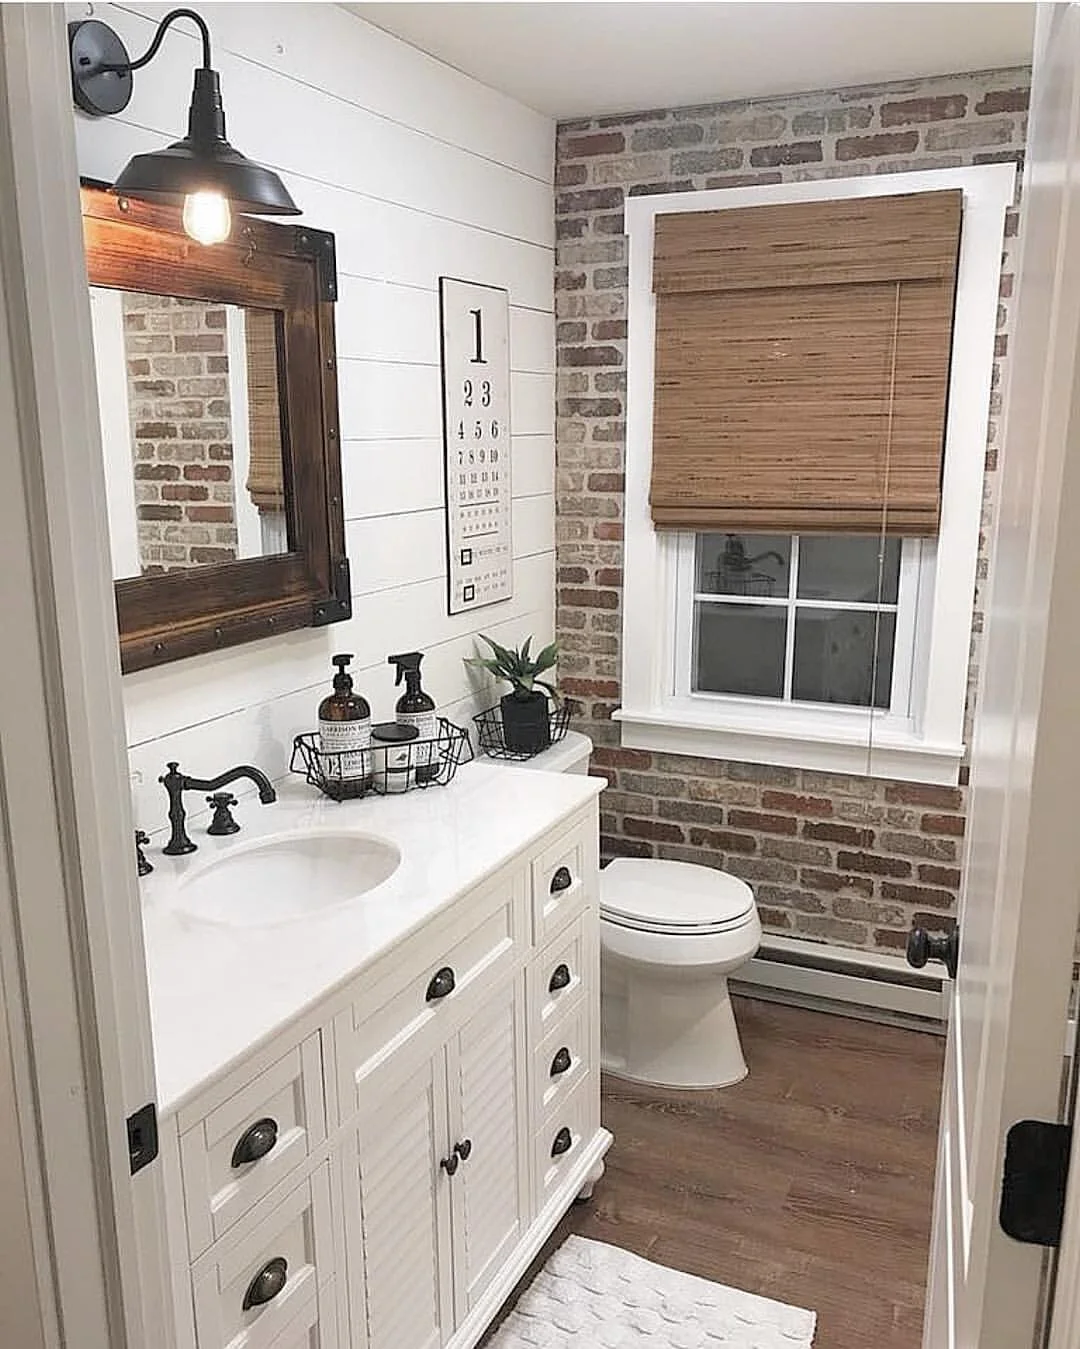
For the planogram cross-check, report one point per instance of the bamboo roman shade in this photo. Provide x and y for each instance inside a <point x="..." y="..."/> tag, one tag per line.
<point x="266" y="472"/>
<point x="802" y="365"/>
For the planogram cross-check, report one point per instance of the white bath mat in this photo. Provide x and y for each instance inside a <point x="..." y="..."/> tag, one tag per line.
<point x="593" y="1296"/>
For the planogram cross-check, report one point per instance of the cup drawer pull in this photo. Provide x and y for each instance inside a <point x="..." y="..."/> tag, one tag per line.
<point x="561" y="1062"/>
<point x="563" y="1142"/>
<point x="560" y="978"/>
<point x="442" y="984"/>
<point x="562" y="880"/>
<point x="255" y="1142"/>
<point x="267" y="1284"/>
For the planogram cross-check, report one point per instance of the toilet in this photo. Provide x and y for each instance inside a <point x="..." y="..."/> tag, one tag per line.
<point x="671" y="934"/>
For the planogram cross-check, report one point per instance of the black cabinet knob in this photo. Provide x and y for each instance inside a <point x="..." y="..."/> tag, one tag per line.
<point x="563" y="1142"/>
<point x="443" y="983"/>
<point x="560" y="978"/>
<point x="464" y="1149"/>
<point x="562" y="880"/>
<point x="561" y="1062"/>
<point x="450" y="1164"/>
<point x="923" y="946"/>
<point x="255" y="1142"/>
<point x="267" y="1284"/>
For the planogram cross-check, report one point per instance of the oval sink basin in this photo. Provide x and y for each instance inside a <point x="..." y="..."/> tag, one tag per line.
<point x="280" y="879"/>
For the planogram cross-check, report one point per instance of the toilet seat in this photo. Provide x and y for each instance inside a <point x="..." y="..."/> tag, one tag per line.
<point x="673" y="898"/>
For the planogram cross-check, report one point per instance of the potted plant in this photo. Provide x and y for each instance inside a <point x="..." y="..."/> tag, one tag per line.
<point x="526" y="723"/>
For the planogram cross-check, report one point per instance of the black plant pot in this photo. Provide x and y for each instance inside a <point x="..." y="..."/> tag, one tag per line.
<point x="525" y="722"/>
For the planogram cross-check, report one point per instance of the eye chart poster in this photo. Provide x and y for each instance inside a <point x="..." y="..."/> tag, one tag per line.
<point x="475" y="322"/>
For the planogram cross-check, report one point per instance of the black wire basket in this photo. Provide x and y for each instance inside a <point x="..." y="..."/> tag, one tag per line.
<point x="383" y="770"/>
<point x="490" y="737"/>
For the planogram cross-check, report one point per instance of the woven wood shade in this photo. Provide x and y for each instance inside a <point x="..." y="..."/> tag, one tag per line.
<point x="802" y="365"/>
<point x="266" y="474"/>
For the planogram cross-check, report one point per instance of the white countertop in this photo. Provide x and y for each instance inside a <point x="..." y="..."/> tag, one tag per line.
<point x="218" y="991"/>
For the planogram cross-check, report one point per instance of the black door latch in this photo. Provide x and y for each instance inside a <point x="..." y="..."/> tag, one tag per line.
<point x="142" y="1132"/>
<point x="1033" y="1183"/>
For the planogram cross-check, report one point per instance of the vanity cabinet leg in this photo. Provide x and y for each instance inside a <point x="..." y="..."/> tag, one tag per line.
<point x="586" y="1192"/>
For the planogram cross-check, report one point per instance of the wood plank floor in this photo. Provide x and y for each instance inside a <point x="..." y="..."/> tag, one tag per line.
<point x="810" y="1182"/>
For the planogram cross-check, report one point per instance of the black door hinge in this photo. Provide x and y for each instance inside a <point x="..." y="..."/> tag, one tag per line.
<point x="142" y="1132"/>
<point x="1033" y="1184"/>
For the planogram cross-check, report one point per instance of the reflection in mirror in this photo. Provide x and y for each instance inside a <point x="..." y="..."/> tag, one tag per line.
<point x="191" y="427"/>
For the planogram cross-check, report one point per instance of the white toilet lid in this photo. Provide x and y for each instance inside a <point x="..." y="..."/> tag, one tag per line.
<point x="659" y="896"/>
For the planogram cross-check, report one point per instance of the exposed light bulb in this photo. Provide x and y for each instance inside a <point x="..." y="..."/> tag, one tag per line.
<point x="207" y="217"/>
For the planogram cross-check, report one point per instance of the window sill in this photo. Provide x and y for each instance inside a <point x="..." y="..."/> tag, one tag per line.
<point x="792" y="743"/>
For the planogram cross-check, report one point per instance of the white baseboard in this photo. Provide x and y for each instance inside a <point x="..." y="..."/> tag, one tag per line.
<point x="868" y="984"/>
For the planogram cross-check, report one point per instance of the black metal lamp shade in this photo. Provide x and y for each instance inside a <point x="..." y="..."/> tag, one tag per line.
<point x="204" y="161"/>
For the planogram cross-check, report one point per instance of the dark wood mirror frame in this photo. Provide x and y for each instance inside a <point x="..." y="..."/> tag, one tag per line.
<point x="132" y="245"/>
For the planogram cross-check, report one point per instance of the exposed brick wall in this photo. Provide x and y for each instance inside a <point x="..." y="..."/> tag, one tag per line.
<point x="178" y="398"/>
<point x="851" y="860"/>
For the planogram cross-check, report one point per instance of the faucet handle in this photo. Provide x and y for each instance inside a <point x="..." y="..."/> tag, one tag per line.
<point x="142" y="866"/>
<point x="223" y="822"/>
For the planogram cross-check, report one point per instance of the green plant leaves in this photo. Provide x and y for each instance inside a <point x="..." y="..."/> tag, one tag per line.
<point x="517" y="668"/>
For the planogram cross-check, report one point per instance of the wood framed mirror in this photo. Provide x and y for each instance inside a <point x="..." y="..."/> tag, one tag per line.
<point x="217" y="382"/>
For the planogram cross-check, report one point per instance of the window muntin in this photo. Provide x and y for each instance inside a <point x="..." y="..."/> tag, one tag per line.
<point x="813" y="621"/>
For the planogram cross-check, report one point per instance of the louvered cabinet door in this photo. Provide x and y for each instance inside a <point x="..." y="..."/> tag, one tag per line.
<point x="489" y="1190"/>
<point x="397" y="1214"/>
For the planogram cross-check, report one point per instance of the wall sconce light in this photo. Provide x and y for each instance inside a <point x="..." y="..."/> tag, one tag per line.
<point x="202" y="173"/>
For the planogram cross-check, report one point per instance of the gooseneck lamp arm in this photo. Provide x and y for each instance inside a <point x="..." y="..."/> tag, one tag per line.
<point x="159" y="37"/>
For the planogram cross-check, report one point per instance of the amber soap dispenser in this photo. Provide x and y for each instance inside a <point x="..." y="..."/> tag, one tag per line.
<point x="345" y="727"/>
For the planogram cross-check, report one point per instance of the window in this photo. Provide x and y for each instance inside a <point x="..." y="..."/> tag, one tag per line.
<point x="817" y="619"/>
<point x="829" y="648"/>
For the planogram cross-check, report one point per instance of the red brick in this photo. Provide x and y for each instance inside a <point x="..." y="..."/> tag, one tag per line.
<point x="589" y="599"/>
<point x="608" y="530"/>
<point x="946" y="108"/>
<point x="609" y="330"/>
<point x="833" y="882"/>
<point x="889" y="939"/>
<point x="1003" y="100"/>
<point x="180" y="491"/>
<point x="609" y="576"/>
<point x="156" y="472"/>
<point x="590" y="688"/>
<point x="600" y="143"/>
<point x="624" y="847"/>
<point x="872" y="864"/>
<point x="774" y="918"/>
<point x="210" y="515"/>
<point x="847" y="834"/>
<point x="613" y="756"/>
<point x="199" y="342"/>
<point x="211" y="555"/>
<point x="721" y="840"/>
<point x="873" y="147"/>
<point x="764" y="824"/>
<point x="943" y="824"/>
<point x="798" y="152"/>
<point x="932" y="874"/>
<point x="797" y="805"/>
<point x="207" y="472"/>
<point x="657" y="830"/>
<point x="593" y="199"/>
<point x="918" y="894"/>
<point x="921" y="794"/>
<point x="145" y="511"/>
<point x="589" y="356"/>
<point x="573" y="575"/>
<point x="606" y="482"/>
<point x="571" y="175"/>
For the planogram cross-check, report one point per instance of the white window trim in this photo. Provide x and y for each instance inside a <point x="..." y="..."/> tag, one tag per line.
<point x="929" y="746"/>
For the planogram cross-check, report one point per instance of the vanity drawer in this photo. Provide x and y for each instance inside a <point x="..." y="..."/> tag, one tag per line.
<point x="558" y="975"/>
<point x="561" y="1061"/>
<point x="269" y="1282"/>
<point x="243" y="1147"/>
<point x="558" y="1142"/>
<point x="438" y="982"/>
<point x="560" y="879"/>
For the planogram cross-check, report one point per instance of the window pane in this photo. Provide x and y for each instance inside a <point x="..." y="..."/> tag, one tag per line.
<point x="743" y="564"/>
<point x="839" y="568"/>
<point x="834" y="657"/>
<point x="740" y="649"/>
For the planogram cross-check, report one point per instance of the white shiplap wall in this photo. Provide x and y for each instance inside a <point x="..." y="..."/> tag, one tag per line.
<point x="419" y="172"/>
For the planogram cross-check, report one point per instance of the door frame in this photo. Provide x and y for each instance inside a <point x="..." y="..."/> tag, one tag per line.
<point x="72" y="966"/>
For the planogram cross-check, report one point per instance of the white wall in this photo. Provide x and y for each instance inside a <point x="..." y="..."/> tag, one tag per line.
<point x="419" y="172"/>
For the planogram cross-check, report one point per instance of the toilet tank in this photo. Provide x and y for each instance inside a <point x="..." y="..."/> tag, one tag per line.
<point x="568" y="755"/>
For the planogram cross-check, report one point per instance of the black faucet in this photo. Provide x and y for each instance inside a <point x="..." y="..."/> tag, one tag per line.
<point x="177" y="783"/>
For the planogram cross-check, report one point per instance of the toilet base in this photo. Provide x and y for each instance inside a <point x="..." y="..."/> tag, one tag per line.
<point x="668" y="1027"/>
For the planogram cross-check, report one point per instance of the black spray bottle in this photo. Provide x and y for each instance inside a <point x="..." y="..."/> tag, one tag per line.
<point x="416" y="708"/>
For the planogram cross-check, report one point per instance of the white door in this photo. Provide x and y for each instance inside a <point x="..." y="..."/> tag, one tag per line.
<point x="1019" y="910"/>
<point x="397" y="1212"/>
<point x="489" y="1193"/>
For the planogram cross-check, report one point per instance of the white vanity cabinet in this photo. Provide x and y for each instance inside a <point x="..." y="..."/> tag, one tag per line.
<point x="382" y="1173"/>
